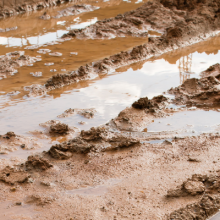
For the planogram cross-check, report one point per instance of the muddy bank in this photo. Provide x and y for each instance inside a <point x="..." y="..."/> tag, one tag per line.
<point x="200" y="92"/>
<point x="13" y="7"/>
<point x="185" y="27"/>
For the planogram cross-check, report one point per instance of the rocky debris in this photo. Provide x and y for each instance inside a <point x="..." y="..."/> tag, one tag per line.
<point x="37" y="163"/>
<point x="87" y="113"/>
<point x="13" y="175"/>
<point x="207" y="206"/>
<point x="75" y="10"/>
<point x="59" y="128"/>
<point x="157" y="102"/>
<point x="10" y="62"/>
<point x="203" y="92"/>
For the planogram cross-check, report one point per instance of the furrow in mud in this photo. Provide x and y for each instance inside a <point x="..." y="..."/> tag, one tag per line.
<point x="189" y="26"/>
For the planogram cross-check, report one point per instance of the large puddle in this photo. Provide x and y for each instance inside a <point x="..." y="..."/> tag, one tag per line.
<point x="108" y="94"/>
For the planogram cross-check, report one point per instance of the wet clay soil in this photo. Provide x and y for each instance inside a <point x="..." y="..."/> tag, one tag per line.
<point x="114" y="138"/>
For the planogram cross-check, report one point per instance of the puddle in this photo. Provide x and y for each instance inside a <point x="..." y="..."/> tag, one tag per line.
<point x="193" y="122"/>
<point x="108" y="94"/>
<point x="95" y="191"/>
<point x="215" y="217"/>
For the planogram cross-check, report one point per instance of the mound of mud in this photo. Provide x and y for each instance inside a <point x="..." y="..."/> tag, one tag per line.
<point x="157" y="102"/>
<point x="96" y="139"/>
<point x="204" y="91"/>
<point x="37" y="163"/>
<point x="182" y="24"/>
<point x="12" y="175"/>
<point x="10" y="62"/>
<point x="209" y="186"/>
<point x="59" y="128"/>
<point x="206" y="207"/>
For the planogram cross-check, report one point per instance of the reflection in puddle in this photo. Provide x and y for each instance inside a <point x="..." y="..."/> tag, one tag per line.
<point x="193" y="122"/>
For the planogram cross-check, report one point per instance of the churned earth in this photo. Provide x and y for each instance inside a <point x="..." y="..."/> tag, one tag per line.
<point x="113" y="135"/>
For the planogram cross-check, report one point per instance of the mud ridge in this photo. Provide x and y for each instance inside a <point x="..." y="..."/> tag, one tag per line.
<point x="200" y="92"/>
<point x="11" y="8"/>
<point x="206" y="185"/>
<point x="10" y="62"/>
<point x="187" y="26"/>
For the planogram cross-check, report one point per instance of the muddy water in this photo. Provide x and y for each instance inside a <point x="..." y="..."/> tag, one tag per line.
<point x="108" y="94"/>
<point x="32" y="31"/>
<point x="192" y="122"/>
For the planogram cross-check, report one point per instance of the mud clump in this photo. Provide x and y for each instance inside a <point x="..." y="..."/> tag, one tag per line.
<point x="59" y="128"/>
<point x="75" y="10"/>
<point x="39" y="200"/>
<point x="206" y="207"/>
<point x="10" y="62"/>
<point x="204" y="91"/>
<point x="12" y="175"/>
<point x="132" y="23"/>
<point x="213" y="70"/>
<point x="65" y="149"/>
<point x="98" y="139"/>
<point x="87" y="113"/>
<point x="37" y="163"/>
<point x="156" y="102"/>
<point x="196" y="185"/>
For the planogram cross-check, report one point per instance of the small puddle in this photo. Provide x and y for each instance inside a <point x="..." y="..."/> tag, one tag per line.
<point x="215" y="217"/>
<point x="192" y="122"/>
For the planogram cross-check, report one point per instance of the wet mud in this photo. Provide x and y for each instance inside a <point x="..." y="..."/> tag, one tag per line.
<point x="122" y="169"/>
<point x="187" y="26"/>
<point x="200" y="92"/>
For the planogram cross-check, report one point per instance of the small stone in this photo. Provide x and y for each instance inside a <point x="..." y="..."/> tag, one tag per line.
<point x="23" y="146"/>
<point x="18" y="203"/>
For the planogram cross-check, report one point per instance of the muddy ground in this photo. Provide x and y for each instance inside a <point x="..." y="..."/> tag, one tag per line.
<point x="119" y="170"/>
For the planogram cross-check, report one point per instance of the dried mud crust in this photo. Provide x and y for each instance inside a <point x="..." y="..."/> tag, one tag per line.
<point x="10" y="8"/>
<point x="200" y="92"/>
<point x="183" y="27"/>
<point x="10" y="62"/>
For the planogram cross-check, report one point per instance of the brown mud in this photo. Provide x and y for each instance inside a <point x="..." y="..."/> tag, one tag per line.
<point x="188" y="25"/>
<point x="12" y="7"/>
<point x="114" y="171"/>
<point x="200" y="92"/>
